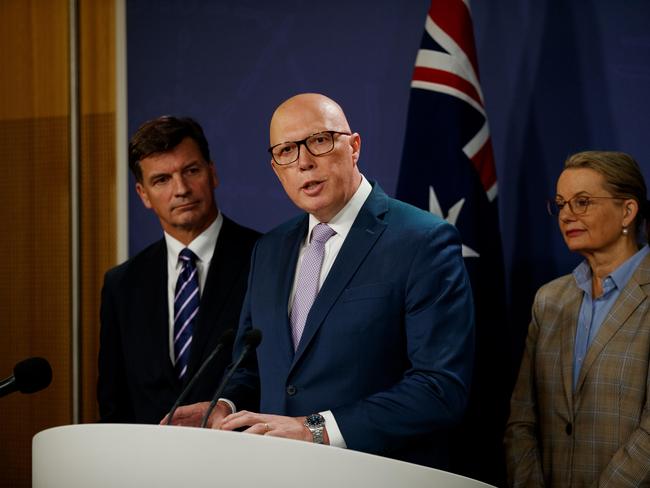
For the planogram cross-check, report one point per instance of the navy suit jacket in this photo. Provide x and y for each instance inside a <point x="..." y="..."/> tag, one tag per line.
<point x="137" y="381"/>
<point x="388" y="343"/>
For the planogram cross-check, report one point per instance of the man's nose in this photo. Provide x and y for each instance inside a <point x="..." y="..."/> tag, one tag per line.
<point x="305" y="159"/>
<point x="180" y="185"/>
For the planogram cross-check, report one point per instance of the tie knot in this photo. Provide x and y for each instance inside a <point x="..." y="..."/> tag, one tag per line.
<point x="187" y="256"/>
<point x="321" y="233"/>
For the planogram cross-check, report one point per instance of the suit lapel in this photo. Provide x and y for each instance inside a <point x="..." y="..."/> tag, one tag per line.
<point x="152" y="309"/>
<point x="365" y="231"/>
<point x="568" y="325"/>
<point x="286" y="270"/>
<point x="228" y="261"/>
<point x="630" y="298"/>
<point x="215" y="293"/>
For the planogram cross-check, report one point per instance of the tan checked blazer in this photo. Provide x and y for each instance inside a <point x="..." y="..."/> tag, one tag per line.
<point x="598" y="435"/>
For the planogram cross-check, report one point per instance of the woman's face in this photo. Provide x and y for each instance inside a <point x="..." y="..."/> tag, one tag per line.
<point x="599" y="228"/>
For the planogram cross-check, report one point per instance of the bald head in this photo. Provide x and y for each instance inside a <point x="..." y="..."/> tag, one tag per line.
<point x="322" y="183"/>
<point x="290" y="118"/>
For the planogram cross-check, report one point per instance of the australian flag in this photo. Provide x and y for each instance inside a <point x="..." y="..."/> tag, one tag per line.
<point x="448" y="169"/>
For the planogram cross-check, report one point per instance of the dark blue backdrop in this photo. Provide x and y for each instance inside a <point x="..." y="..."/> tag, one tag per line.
<point x="557" y="76"/>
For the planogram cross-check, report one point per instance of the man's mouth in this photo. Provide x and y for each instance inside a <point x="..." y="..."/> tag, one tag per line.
<point x="311" y="185"/>
<point x="185" y="206"/>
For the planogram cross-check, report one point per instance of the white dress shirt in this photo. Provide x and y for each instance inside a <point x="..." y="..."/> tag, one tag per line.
<point x="341" y="223"/>
<point x="203" y="246"/>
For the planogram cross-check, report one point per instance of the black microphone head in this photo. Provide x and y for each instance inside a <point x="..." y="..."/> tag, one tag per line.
<point x="227" y="338"/>
<point x="253" y="338"/>
<point x="32" y="375"/>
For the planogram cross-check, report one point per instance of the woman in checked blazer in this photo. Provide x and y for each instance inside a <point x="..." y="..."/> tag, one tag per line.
<point x="579" y="412"/>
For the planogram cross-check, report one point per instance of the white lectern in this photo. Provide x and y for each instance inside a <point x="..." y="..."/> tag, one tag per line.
<point x="118" y="455"/>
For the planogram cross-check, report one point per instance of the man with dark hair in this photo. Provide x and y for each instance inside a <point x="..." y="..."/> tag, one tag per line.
<point x="164" y="310"/>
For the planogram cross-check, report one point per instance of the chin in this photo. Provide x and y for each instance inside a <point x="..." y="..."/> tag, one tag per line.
<point x="575" y="246"/>
<point x="583" y="250"/>
<point x="187" y="223"/>
<point x="311" y="207"/>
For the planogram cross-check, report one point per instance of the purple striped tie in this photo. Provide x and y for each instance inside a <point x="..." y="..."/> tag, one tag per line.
<point x="308" y="278"/>
<point x="186" y="306"/>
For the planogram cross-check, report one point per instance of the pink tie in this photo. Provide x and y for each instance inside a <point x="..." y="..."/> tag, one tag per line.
<point x="307" y="284"/>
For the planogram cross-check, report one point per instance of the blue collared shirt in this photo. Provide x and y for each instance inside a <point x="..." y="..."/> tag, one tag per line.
<point x="593" y="311"/>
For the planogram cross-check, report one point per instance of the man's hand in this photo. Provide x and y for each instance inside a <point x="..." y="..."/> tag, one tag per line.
<point x="273" y="425"/>
<point x="192" y="415"/>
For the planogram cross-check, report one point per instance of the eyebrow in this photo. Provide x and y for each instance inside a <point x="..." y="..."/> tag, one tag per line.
<point x="580" y="193"/>
<point x="185" y="166"/>
<point x="307" y="136"/>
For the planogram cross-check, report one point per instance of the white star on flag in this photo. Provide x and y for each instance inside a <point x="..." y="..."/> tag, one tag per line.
<point x="452" y="217"/>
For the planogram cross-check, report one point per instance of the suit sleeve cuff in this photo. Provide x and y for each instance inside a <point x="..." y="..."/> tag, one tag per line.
<point x="333" y="431"/>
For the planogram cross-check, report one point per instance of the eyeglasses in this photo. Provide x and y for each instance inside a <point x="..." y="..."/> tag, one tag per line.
<point x="317" y="145"/>
<point x="577" y="205"/>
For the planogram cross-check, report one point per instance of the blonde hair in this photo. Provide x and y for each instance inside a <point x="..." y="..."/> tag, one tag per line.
<point x="623" y="178"/>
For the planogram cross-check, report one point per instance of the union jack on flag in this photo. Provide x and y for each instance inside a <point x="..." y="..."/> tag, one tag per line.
<point x="449" y="65"/>
<point x="448" y="169"/>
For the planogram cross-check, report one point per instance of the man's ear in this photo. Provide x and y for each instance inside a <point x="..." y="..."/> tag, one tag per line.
<point x="355" y="143"/>
<point x="214" y="176"/>
<point x="142" y="193"/>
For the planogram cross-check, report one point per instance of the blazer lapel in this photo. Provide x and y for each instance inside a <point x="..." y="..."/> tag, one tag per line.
<point x="630" y="298"/>
<point x="365" y="231"/>
<point x="152" y="309"/>
<point x="568" y="326"/>
<point x="286" y="270"/>
<point x="215" y="294"/>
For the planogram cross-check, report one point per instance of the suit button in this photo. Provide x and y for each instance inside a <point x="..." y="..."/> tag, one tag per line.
<point x="569" y="428"/>
<point x="291" y="390"/>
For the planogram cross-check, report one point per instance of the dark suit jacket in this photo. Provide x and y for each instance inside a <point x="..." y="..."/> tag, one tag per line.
<point x="597" y="434"/>
<point x="388" y="343"/>
<point x="137" y="382"/>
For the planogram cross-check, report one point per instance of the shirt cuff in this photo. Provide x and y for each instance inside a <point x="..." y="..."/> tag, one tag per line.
<point x="233" y="409"/>
<point x="333" y="431"/>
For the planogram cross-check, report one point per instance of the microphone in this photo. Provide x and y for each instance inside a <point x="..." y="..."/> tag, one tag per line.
<point x="252" y="339"/>
<point x="226" y="340"/>
<point x="30" y="375"/>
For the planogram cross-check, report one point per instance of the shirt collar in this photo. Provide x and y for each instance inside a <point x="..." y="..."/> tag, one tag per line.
<point x="203" y="245"/>
<point x="342" y="222"/>
<point x="619" y="277"/>
<point x="623" y="273"/>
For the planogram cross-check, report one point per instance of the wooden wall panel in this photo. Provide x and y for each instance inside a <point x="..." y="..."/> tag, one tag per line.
<point x="34" y="291"/>
<point x="98" y="243"/>
<point x="35" y="204"/>
<point x="98" y="179"/>
<point x="34" y="59"/>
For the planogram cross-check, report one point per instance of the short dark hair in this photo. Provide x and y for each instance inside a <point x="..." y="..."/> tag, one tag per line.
<point x="164" y="134"/>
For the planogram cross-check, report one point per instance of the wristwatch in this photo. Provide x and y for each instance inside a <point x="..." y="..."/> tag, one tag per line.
<point x="316" y="424"/>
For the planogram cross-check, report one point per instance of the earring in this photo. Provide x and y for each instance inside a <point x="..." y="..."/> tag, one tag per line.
<point x="624" y="231"/>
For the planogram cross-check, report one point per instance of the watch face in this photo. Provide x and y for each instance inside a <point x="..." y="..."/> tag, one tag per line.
<point x="315" y="420"/>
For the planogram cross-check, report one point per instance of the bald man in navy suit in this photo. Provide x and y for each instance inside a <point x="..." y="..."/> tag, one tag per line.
<point x="383" y="360"/>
